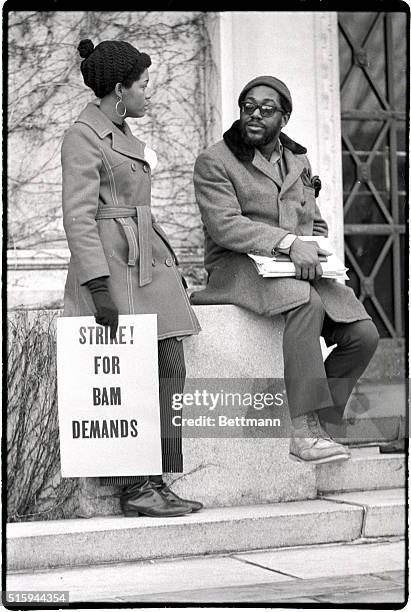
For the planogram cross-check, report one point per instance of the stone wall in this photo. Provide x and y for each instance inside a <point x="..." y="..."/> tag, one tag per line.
<point x="47" y="93"/>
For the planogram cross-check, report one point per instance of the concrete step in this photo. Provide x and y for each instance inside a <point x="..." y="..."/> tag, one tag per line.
<point x="367" y="469"/>
<point x="214" y="530"/>
<point x="384" y="510"/>
<point x="337" y="518"/>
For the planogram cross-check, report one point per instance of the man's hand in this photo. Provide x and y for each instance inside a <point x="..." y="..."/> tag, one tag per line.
<point x="304" y="256"/>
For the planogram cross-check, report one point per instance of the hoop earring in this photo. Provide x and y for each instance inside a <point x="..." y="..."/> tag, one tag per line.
<point x="125" y="108"/>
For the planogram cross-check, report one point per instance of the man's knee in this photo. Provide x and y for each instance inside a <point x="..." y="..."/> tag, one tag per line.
<point x="367" y="335"/>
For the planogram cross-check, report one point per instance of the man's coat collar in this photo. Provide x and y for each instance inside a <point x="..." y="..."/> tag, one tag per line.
<point x="244" y="152"/>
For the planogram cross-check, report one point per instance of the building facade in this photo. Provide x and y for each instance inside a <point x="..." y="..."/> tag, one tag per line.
<point x="347" y="76"/>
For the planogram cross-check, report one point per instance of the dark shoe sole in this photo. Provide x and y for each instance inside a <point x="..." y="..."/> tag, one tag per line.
<point x="189" y="505"/>
<point x="130" y="513"/>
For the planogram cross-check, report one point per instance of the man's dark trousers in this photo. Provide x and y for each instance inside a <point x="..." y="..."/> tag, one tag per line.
<point x="311" y="383"/>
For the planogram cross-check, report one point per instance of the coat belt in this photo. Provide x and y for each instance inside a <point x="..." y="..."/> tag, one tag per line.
<point x="143" y="215"/>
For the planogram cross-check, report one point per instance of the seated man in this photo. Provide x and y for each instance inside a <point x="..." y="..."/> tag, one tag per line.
<point x="255" y="193"/>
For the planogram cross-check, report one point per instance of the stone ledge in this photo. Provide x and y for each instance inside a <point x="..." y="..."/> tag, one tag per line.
<point x="48" y="258"/>
<point x="234" y="343"/>
<point x="36" y="277"/>
<point x="48" y="544"/>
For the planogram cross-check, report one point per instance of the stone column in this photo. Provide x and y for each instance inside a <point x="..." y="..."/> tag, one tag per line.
<point x="300" y="48"/>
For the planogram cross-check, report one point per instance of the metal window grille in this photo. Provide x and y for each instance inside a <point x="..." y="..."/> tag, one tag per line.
<point x="373" y="57"/>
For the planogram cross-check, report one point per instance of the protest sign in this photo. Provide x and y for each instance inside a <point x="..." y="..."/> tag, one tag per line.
<point x="108" y="398"/>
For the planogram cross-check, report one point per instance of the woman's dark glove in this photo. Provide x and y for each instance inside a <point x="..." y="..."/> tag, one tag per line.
<point x="106" y="310"/>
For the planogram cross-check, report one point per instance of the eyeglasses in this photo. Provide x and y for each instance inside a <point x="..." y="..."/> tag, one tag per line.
<point x="265" y="109"/>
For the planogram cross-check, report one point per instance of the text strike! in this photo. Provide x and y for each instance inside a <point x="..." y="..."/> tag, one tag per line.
<point x="101" y="335"/>
<point x="105" y="364"/>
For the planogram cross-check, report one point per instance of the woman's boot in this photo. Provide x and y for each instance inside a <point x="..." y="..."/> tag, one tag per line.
<point x="144" y="499"/>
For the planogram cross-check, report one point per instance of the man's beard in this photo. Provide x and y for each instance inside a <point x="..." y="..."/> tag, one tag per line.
<point x="258" y="140"/>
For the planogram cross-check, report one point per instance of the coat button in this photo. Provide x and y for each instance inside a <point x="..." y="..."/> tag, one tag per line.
<point x="168" y="262"/>
<point x="153" y="261"/>
<point x="145" y="168"/>
<point x="133" y="166"/>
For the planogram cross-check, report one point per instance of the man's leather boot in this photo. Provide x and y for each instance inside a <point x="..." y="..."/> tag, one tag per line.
<point x="144" y="499"/>
<point x="309" y="442"/>
<point x="171" y="497"/>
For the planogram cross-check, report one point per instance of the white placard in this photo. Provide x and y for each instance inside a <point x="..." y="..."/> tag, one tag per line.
<point x="108" y="397"/>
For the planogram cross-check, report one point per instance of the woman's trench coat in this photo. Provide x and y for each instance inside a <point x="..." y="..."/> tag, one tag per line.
<point x="111" y="231"/>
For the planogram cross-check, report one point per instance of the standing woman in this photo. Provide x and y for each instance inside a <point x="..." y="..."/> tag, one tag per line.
<point x="121" y="260"/>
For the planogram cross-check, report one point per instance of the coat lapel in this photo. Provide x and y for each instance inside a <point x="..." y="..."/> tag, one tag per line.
<point x="262" y="164"/>
<point x="295" y="166"/>
<point x="127" y="144"/>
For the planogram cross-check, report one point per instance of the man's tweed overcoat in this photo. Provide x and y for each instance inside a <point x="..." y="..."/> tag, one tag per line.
<point x="110" y="229"/>
<point x="244" y="211"/>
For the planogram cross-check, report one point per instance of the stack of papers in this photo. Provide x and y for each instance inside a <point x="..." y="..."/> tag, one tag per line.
<point x="281" y="265"/>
